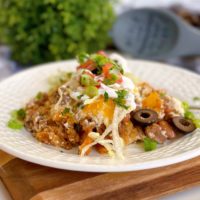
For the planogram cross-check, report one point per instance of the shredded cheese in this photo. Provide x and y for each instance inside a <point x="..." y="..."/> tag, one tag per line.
<point x="71" y="88"/>
<point x="115" y="145"/>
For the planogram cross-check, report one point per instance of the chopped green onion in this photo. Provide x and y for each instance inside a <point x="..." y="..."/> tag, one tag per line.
<point x="16" y="119"/>
<point x="82" y="57"/>
<point x="14" y="114"/>
<point x="114" y="77"/>
<point x="196" y="123"/>
<point x="39" y="96"/>
<point x="101" y="60"/>
<point x="185" y="106"/>
<point x="18" y="114"/>
<point x="189" y="115"/>
<point x="162" y="94"/>
<point x="196" y="99"/>
<point x="15" y="124"/>
<point x="65" y="111"/>
<point x="120" y="100"/>
<point x="106" y="96"/>
<point x="111" y="80"/>
<point x="85" y="80"/>
<point x="91" y="91"/>
<point x="149" y="144"/>
<point x="21" y="114"/>
<point x="108" y="81"/>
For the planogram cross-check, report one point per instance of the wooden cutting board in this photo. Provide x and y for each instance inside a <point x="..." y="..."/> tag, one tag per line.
<point x="26" y="181"/>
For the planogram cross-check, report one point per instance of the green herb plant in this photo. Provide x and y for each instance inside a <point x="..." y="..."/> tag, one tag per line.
<point x="47" y="30"/>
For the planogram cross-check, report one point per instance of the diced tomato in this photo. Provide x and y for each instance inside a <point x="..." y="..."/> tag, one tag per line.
<point x="90" y="65"/>
<point x="102" y="53"/>
<point x="120" y="79"/>
<point x="99" y="83"/>
<point x="106" y="68"/>
<point x="98" y="86"/>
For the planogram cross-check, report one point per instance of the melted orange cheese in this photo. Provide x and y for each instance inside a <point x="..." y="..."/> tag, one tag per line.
<point x="153" y="101"/>
<point x="99" y="106"/>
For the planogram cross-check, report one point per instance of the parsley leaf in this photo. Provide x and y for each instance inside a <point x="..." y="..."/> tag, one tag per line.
<point x="65" y="111"/>
<point x="79" y="96"/>
<point x="106" y="96"/>
<point x="120" y="100"/>
<point x="80" y="105"/>
<point x="149" y="144"/>
<point x="118" y="67"/>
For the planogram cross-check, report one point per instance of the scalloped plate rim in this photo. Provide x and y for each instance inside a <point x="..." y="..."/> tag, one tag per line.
<point x="101" y="168"/>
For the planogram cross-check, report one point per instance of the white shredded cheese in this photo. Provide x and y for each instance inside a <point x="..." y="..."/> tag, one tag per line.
<point x="115" y="133"/>
<point x="116" y="141"/>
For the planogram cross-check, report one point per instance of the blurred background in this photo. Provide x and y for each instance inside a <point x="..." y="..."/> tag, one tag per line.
<point x="38" y="31"/>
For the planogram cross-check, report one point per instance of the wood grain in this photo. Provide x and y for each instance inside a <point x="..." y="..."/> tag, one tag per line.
<point x="146" y="184"/>
<point x="5" y="158"/>
<point x="26" y="181"/>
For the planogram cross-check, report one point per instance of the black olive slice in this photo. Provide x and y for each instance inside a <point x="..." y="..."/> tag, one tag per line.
<point x="184" y="125"/>
<point x="145" y="116"/>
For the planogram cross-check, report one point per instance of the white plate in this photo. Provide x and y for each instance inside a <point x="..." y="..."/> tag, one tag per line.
<point x="17" y="90"/>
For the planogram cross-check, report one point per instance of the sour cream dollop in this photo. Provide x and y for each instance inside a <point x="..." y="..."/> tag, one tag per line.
<point x="120" y="60"/>
<point x="111" y="92"/>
